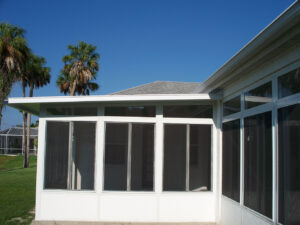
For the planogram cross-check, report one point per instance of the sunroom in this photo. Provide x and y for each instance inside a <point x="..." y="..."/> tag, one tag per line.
<point x="141" y="158"/>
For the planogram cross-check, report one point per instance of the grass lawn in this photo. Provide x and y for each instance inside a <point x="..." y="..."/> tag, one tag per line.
<point x="17" y="190"/>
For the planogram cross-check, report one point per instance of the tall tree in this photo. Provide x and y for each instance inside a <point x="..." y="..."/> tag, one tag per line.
<point x="14" y="53"/>
<point x="80" y="69"/>
<point x="35" y="75"/>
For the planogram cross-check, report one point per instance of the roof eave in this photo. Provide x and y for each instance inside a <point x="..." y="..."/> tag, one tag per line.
<point x="32" y="105"/>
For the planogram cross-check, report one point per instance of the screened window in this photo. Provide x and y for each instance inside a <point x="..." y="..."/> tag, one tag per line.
<point x="141" y="111"/>
<point x="72" y="111"/>
<point x="231" y="160"/>
<point x="70" y="155"/>
<point x="289" y="83"/>
<point x="289" y="164"/>
<point x="232" y="106"/>
<point x="258" y="96"/>
<point x="188" y="111"/>
<point x="129" y="157"/>
<point x="258" y="163"/>
<point x="187" y="157"/>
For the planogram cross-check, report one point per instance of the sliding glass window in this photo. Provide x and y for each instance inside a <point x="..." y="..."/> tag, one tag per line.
<point x="187" y="157"/>
<point x="129" y="157"/>
<point x="231" y="160"/>
<point x="70" y="155"/>
<point x="258" y="163"/>
<point x="289" y="164"/>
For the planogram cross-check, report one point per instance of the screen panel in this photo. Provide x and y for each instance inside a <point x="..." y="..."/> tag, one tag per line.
<point x="174" y="176"/>
<point x="56" y="159"/>
<point x="258" y="163"/>
<point x="84" y="160"/>
<point x="188" y="111"/>
<point x="116" y="151"/>
<point x="142" y="157"/>
<point x="231" y="160"/>
<point x="289" y="166"/>
<point x="200" y="158"/>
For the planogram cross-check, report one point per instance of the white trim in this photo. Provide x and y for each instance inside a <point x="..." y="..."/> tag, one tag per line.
<point x="108" y="98"/>
<point x="159" y="150"/>
<point x="123" y="119"/>
<point x="187" y="121"/>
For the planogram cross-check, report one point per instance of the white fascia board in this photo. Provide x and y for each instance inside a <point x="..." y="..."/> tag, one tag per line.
<point x="108" y="98"/>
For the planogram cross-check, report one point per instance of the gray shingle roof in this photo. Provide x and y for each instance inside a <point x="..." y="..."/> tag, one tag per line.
<point x="162" y="87"/>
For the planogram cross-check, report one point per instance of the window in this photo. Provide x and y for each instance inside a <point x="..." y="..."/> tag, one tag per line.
<point x="142" y="111"/>
<point x="231" y="160"/>
<point x="70" y="155"/>
<point x="289" y="166"/>
<point x="188" y="111"/>
<point x="129" y="157"/>
<point x="258" y="96"/>
<point x="289" y="83"/>
<point x="258" y="163"/>
<point x="187" y="157"/>
<point x="72" y="111"/>
<point x="232" y="106"/>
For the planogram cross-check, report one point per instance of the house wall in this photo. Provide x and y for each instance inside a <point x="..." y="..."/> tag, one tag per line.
<point x="128" y="206"/>
<point x="235" y="213"/>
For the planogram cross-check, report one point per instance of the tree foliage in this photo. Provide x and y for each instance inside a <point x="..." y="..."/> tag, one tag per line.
<point x="14" y="53"/>
<point x="79" y="71"/>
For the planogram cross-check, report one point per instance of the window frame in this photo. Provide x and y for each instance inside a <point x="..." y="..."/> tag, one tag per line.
<point x="273" y="106"/>
<point x="44" y="121"/>
<point x="187" y="151"/>
<point x="129" y="157"/>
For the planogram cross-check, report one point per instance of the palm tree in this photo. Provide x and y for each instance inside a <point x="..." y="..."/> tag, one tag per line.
<point x="14" y="53"/>
<point x="35" y="75"/>
<point x="80" y="68"/>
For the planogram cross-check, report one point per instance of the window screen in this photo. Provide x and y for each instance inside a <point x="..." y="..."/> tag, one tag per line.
<point x="187" y="157"/>
<point x="200" y="158"/>
<point x="56" y="160"/>
<point x="258" y="163"/>
<point x="231" y="160"/>
<point x="71" y="110"/>
<point x="258" y="96"/>
<point x="116" y="151"/>
<point x="188" y="111"/>
<point x="142" y="157"/>
<point x="232" y="106"/>
<point x="84" y="155"/>
<point x="70" y="155"/>
<point x="129" y="156"/>
<point x="289" y="83"/>
<point x="141" y="111"/>
<point x="174" y="158"/>
<point x="289" y="166"/>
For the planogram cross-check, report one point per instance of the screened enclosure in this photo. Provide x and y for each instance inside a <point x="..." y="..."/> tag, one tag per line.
<point x="11" y="140"/>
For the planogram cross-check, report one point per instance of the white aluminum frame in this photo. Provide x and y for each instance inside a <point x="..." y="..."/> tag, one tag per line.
<point x="157" y="193"/>
<point x="267" y="107"/>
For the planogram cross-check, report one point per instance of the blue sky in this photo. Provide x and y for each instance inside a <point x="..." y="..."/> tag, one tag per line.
<point x="139" y="41"/>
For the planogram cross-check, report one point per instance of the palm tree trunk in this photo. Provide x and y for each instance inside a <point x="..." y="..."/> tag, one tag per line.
<point x="28" y="129"/>
<point x="24" y="150"/>
<point x="72" y="92"/>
